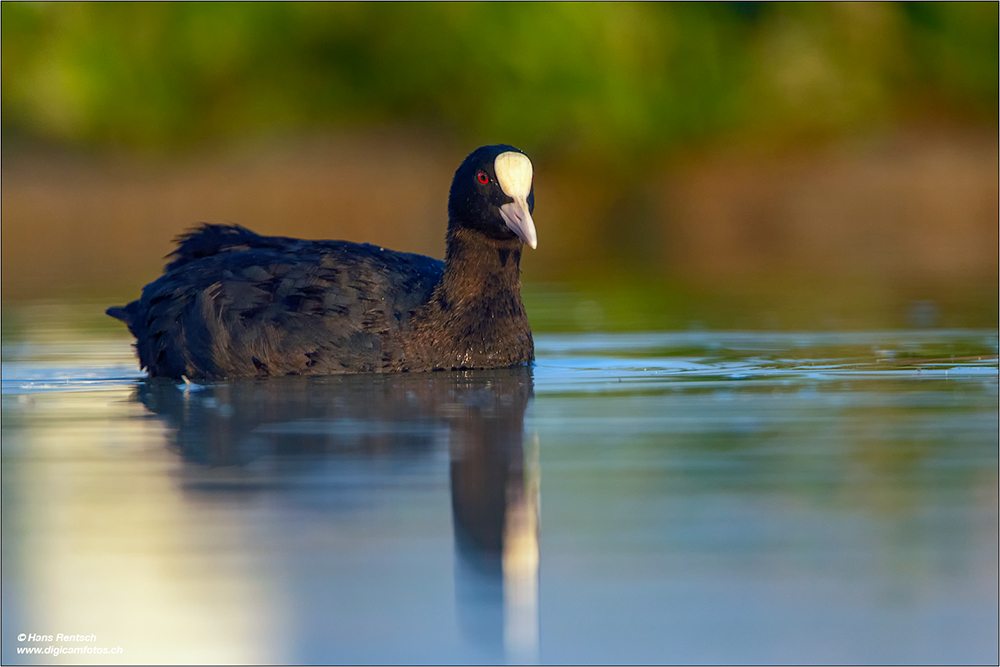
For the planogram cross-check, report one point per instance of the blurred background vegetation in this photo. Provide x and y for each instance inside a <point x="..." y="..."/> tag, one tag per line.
<point x="762" y="165"/>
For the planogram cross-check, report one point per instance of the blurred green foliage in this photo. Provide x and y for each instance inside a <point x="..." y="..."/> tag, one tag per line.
<point x="616" y="80"/>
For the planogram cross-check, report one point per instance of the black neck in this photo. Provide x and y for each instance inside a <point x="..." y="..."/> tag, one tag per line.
<point x="477" y="267"/>
<point x="475" y="318"/>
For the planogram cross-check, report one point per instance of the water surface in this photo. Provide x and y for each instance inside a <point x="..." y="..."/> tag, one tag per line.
<point x="634" y="498"/>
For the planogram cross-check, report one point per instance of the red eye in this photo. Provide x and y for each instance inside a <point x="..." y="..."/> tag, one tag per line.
<point x="483" y="178"/>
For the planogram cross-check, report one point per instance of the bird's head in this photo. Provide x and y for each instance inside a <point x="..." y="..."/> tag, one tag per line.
<point x="492" y="194"/>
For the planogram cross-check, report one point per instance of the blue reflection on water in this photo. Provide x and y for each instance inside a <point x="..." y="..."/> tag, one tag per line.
<point x="679" y="497"/>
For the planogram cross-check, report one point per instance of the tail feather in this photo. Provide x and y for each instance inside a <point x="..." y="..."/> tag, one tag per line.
<point x="124" y="313"/>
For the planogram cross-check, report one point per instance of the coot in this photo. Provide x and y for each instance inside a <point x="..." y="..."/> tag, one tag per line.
<point x="233" y="303"/>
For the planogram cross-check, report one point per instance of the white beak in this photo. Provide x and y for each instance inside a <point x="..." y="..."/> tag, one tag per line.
<point x="517" y="217"/>
<point x="514" y="174"/>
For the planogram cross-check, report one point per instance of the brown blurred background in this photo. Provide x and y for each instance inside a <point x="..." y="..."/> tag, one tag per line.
<point x="732" y="165"/>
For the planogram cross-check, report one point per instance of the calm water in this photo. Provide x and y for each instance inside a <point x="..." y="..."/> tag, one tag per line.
<point x="664" y="497"/>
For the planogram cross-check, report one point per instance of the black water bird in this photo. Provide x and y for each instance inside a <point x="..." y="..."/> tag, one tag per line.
<point x="232" y="303"/>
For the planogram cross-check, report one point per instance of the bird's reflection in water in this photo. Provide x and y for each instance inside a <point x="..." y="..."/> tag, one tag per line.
<point x="494" y="493"/>
<point x="323" y="421"/>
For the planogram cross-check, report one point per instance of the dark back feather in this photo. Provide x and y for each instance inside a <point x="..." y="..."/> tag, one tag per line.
<point x="234" y="303"/>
